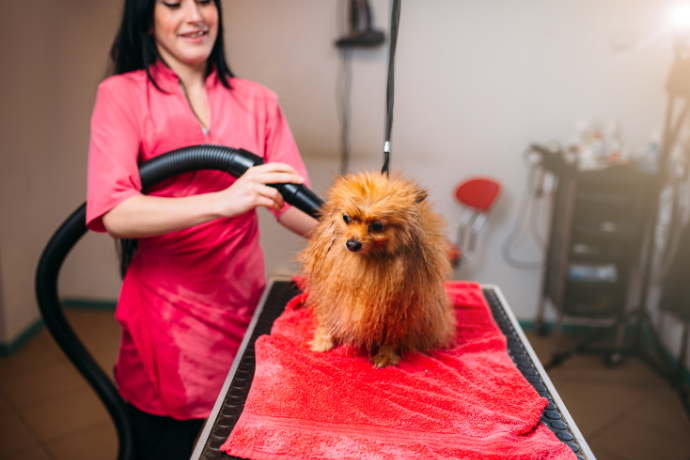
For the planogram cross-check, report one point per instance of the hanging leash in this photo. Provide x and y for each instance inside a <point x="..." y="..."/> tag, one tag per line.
<point x="395" y="22"/>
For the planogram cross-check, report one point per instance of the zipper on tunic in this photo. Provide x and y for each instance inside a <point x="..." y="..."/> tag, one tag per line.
<point x="204" y="129"/>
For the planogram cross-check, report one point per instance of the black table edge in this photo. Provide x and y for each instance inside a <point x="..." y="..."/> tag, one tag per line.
<point x="208" y="426"/>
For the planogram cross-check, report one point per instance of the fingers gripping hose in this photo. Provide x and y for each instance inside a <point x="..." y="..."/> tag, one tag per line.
<point x="233" y="161"/>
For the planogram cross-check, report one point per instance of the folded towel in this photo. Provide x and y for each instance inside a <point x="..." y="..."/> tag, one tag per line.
<point x="468" y="401"/>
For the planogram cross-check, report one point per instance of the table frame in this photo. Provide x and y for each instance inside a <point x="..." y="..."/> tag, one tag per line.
<point x="228" y="406"/>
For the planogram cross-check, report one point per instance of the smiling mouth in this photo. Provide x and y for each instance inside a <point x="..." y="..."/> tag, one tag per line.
<point x="197" y="34"/>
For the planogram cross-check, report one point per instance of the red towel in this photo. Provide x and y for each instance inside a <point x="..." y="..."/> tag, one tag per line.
<point x="467" y="402"/>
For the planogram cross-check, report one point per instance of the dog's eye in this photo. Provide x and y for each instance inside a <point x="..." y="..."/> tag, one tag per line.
<point x="347" y="219"/>
<point x="376" y="226"/>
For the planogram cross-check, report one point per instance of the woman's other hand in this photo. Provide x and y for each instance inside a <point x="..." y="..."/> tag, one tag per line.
<point x="252" y="190"/>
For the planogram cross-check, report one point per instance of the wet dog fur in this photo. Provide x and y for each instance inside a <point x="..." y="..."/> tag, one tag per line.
<point x="376" y="267"/>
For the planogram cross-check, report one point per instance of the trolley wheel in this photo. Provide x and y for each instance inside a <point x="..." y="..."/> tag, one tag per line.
<point x="613" y="359"/>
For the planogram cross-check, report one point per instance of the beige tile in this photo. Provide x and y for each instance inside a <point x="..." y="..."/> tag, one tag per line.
<point x="15" y="436"/>
<point x="102" y="342"/>
<point x="605" y="395"/>
<point x="99" y="332"/>
<point x="101" y="320"/>
<point x="34" y="355"/>
<point x="634" y="441"/>
<point x="107" y="343"/>
<point x="577" y="368"/>
<point x="543" y="346"/>
<point x="45" y="339"/>
<point x="603" y="454"/>
<point x="591" y="368"/>
<point x="98" y="329"/>
<point x="664" y="411"/>
<point x="631" y="372"/>
<point x="66" y="415"/>
<point x="94" y="444"/>
<point x="4" y="405"/>
<point x="106" y="360"/>
<point x="33" y="453"/>
<point x="42" y="384"/>
<point x="591" y="419"/>
<point x="104" y="349"/>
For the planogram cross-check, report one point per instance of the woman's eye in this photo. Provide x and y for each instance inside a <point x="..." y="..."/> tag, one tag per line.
<point x="376" y="226"/>
<point x="347" y="219"/>
<point x="203" y="2"/>
<point x="171" y="5"/>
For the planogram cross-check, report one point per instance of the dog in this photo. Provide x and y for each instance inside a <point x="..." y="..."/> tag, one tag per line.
<point x="375" y="269"/>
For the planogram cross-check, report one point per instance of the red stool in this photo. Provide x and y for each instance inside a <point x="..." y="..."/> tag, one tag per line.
<point x="477" y="195"/>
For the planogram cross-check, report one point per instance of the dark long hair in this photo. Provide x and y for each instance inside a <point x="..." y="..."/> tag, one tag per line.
<point x="134" y="48"/>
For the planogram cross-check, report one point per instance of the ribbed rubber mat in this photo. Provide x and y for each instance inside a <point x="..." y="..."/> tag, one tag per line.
<point x="552" y="416"/>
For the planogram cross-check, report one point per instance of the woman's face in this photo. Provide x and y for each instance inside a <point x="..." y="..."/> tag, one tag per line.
<point x="185" y="30"/>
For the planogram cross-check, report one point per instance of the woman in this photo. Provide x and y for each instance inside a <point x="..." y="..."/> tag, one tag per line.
<point x="191" y="289"/>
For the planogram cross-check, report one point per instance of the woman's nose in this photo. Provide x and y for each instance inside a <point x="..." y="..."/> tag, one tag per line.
<point x="192" y="12"/>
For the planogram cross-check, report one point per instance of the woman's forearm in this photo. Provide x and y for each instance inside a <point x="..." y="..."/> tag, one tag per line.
<point x="142" y="216"/>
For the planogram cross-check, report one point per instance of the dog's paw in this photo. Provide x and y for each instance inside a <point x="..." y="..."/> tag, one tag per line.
<point x="322" y="342"/>
<point x="385" y="357"/>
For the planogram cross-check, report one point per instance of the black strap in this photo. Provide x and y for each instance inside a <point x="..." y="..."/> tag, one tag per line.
<point x="395" y="22"/>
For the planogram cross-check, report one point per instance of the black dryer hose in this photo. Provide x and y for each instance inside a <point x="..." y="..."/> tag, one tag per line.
<point x="233" y="161"/>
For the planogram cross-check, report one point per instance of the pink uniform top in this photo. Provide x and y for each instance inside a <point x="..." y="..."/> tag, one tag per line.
<point x="188" y="296"/>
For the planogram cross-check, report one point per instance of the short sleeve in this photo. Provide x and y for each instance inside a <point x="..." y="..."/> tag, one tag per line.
<point x="280" y="144"/>
<point x="113" y="174"/>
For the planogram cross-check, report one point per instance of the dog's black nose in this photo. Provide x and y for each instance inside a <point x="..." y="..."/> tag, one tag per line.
<point x="353" y="245"/>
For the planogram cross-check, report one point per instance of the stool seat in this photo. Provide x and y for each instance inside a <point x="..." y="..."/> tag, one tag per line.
<point x="478" y="195"/>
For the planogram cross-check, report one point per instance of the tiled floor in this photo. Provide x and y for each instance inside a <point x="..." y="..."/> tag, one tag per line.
<point x="624" y="413"/>
<point x="47" y="411"/>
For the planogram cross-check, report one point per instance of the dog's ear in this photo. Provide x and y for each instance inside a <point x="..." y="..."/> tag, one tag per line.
<point x="420" y="195"/>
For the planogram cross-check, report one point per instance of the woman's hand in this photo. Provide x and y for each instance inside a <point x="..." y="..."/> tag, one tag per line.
<point x="252" y="190"/>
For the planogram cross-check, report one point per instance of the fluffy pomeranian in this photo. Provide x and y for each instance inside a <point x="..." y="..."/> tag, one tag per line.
<point x="375" y="269"/>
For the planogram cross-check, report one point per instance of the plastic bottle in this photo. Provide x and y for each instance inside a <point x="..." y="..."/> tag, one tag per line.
<point x="586" y="146"/>
<point x="614" y="145"/>
<point x="597" y="144"/>
<point x="650" y="160"/>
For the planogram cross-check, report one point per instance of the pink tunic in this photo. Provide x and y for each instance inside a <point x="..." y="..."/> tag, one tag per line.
<point x="188" y="296"/>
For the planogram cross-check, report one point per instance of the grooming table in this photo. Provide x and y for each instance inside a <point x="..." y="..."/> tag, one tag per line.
<point x="279" y="291"/>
